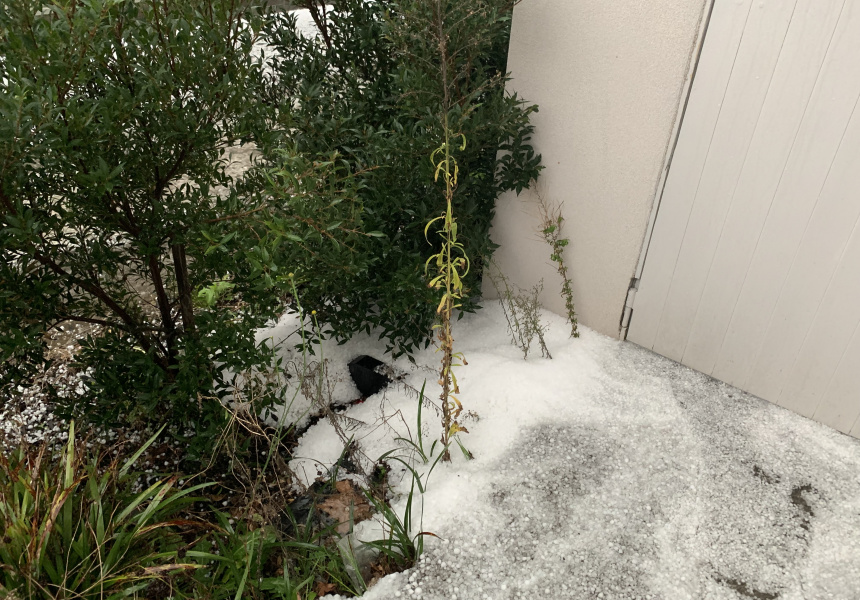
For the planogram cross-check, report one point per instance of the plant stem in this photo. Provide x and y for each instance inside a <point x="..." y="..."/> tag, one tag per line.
<point x="446" y="338"/>
<point x="551" y="223"/>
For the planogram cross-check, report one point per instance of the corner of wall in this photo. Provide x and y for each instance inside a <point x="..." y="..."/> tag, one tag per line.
<point x="607" y="78"/>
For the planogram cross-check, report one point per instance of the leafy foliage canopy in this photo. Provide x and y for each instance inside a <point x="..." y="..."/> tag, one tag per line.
<point x="120" y="209"/>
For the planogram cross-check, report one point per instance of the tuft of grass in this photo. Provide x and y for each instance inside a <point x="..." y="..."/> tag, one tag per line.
<point x="76" y="528"/>
<point x="418" y="450"/>
<point x="399" y="548"/>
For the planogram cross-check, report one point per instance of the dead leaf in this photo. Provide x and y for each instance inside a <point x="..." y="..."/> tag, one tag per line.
<point x="322" y="588"/>
<point x="347" y="499"/>
<point x="171" y="567"/>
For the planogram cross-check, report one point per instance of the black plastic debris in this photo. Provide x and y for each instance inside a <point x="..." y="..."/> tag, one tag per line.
<point x="363" y="372"/>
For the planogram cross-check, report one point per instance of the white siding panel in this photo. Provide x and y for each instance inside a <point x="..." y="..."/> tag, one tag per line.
<point x="820" y="252"/>
<point x="855" y="431"/>
<point x="810" y="161"/>
<point x="724" y="35"/>
<point x="753" y="270"/>
<point x="827" y="344"/>
<point x="841" y="404"/>
<point x="798" y="70"/>
<point x="753" y="70"/>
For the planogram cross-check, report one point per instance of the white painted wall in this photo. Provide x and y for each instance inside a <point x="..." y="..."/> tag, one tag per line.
<point x="608" y="77"/>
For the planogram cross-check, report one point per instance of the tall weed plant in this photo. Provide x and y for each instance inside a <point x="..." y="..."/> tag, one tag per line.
<point x="552" y="223"/>
<point x="450" y="266"/>
<point x="443" y="34"/>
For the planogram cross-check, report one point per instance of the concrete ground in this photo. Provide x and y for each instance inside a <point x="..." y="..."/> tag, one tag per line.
<point x="654" y="481"/>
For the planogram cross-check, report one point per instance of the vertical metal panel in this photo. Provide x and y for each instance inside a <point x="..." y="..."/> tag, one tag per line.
<point x="812" y="386"/>
<point x="794" y="79"/>
<point x="840" y="406"/>
<point x="754" y="265"/>
<point x="715" y="68"/>
<point x="806" y="171"/>
<point x="752" y="72"/>
<point x="821" y="249"/>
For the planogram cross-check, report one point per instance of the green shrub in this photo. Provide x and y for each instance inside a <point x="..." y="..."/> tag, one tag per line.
<point x="369" y="87"/>
<point x="75" y="527"/>
<point x="117" y="210"/>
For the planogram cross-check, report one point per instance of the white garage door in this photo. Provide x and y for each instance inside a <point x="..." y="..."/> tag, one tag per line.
<point x="752" y="274"/>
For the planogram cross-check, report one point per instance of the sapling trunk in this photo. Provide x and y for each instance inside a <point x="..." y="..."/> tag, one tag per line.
<point x="186" y="305"/>
<point x="167" y="323"/>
